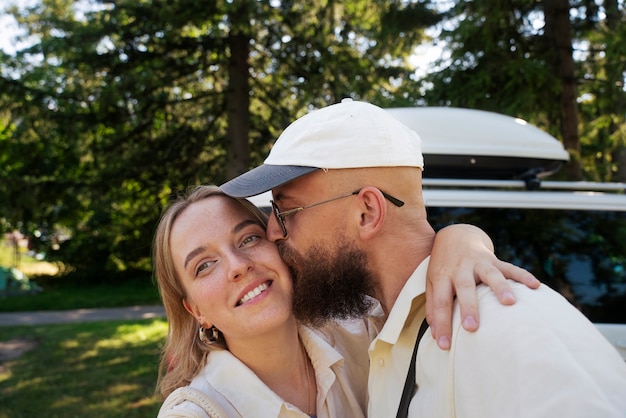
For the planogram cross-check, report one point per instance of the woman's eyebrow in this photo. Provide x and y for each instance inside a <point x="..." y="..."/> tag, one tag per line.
<point x="192" y="254"/>
<point x="241" y="225"/>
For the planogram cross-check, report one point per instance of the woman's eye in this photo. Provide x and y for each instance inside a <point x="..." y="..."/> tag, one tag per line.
<point x="250" y="239"/>
<point x="203" y="266"/>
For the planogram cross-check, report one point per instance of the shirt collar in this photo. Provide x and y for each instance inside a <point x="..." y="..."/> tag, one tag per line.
<point x="323" y="357"/>
<point x="249" y="395"/>
<point x="412" y="293"/>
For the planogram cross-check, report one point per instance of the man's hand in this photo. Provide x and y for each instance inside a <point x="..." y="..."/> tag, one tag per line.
<point x="463" y="256"/>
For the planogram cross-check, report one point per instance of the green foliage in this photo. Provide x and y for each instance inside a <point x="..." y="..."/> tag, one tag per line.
<point x="121" y="105"/>
<point x="118" y="106"/>
<point x="78" y="289"/>
<point x="100" y="369"/>
<point x="503" y="58"/>
<point x="497" y="62"/>
<point x="603" y="103"/>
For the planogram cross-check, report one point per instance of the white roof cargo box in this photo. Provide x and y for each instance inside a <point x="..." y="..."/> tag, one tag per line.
<point x="475" y="144"/>
<point x="467" y="143"/>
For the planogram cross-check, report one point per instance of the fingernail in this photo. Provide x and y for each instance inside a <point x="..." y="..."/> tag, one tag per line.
<point x="443" y="343"/>
<point x="469" y="323"/>
<point x="508" y="296"/>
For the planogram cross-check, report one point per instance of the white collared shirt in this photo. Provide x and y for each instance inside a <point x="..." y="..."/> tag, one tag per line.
<point x="538" y="358"/>
<point x="338" y="354"/>
<point x="391" y="351"/>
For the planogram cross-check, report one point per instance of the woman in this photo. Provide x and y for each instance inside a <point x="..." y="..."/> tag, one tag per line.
<point x="227" y="295"/>
<point x="234" y="348"/>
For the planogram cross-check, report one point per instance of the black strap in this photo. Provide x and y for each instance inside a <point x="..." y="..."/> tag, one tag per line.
<point x="409" y="384"/>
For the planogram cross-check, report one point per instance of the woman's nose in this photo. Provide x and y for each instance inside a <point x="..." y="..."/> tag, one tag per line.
<point x="240" y="265"/>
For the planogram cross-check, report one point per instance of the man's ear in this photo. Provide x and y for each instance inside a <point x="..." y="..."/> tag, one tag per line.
<point x="373" y="212"/>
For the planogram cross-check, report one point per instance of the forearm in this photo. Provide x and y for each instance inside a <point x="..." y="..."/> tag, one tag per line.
<point x="460" y="237"/>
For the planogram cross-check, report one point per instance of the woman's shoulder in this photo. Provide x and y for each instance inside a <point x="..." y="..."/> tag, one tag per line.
<point x="196" y="401"/>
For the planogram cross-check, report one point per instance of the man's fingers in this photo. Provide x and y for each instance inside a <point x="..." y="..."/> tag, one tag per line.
<point x="518" y="274"/>
<point x="494" y="277"/>
<point x="468" y="301"/>
<point x="439" y="312"/>
<point x="439" y="298"/>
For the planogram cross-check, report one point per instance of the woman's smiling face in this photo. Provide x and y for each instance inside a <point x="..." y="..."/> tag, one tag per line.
<point x="233" y="276"/>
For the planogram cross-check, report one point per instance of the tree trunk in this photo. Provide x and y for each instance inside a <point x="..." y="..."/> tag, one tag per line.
<point x="238" y="95"/>
<point x="558" y="31"/>
<point x="615" y="78"/>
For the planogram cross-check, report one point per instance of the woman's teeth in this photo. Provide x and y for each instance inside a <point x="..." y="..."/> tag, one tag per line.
<point x="253" y="293"/>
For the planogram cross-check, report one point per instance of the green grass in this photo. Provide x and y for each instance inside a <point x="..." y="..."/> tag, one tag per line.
<point x="98" y="369"/>
<point x="61" y="296"/>
<point x="95" y="369"/>
<point x="72" y="292"/>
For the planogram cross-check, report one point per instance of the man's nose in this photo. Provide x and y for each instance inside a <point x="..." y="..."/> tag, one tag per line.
<point x="273" y="231"/>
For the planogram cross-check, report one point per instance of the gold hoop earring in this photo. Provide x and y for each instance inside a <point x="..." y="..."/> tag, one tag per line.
<point x="202" y="335"/>
<point x="208" y="340"/>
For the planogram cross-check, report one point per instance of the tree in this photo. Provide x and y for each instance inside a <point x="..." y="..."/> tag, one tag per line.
<point x="602" y="93"/>
<point x="558" y="32"/>
<point x="130" y="102"/>
<point x="517" y="58"/>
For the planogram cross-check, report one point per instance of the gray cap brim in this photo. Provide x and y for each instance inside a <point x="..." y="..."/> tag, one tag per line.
<point x="263" y="178"/>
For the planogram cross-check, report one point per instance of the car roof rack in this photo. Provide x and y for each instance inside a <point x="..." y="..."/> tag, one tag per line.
<point x="523" y="183"/>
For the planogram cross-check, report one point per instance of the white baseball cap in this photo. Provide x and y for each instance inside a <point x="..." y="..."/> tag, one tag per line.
<point x="350" y="134"/>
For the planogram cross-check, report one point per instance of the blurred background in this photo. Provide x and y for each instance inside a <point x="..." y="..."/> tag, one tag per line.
<point x="110" y="108"/>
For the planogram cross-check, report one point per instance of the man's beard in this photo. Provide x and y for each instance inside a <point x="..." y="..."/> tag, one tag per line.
<point x="329" y="283"/>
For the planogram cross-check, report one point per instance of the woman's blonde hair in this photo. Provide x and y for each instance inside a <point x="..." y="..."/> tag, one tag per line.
<point x="183" y="355"/>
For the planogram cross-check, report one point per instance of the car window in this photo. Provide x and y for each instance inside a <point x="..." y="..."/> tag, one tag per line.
<point x="581" y="254"/>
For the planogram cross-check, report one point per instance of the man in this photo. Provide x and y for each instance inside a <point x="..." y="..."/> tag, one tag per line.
<point x="356" y="171"/>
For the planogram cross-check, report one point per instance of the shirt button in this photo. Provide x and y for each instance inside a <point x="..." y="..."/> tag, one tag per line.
<point x="381" y="362"/>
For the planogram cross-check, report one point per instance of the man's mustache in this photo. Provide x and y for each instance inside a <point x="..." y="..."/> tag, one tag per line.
<point x="289" y="256"/>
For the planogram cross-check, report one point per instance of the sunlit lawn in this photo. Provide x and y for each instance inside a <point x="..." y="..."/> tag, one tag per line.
<point x="133" y="292"/>
<point x="60" y="294"/>
<point x="97" y="369"/>
<point x="27" y="264"/>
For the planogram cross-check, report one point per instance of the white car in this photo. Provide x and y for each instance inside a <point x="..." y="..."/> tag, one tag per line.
<point x="489" y="170"/>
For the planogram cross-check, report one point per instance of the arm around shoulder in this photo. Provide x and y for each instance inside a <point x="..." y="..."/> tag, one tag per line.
<point x="462" y="256"/>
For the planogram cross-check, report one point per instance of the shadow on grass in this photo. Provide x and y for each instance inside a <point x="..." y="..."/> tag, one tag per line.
<point x="99" y="369"/>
